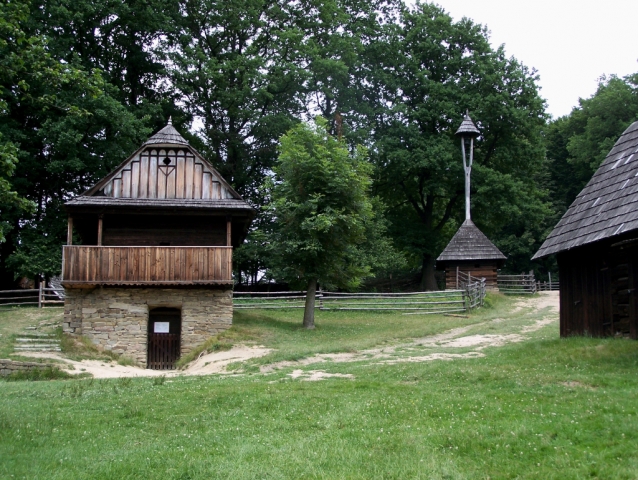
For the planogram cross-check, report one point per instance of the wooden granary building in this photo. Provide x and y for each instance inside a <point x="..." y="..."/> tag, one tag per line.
<point x="152" y="277"/>
<point x="470" y="252"/>
<point x="596" y="244"/>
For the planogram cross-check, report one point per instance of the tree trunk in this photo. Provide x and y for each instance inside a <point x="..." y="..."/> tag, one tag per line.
<point x="309" y="311"/>
<point x="428" y="282"/>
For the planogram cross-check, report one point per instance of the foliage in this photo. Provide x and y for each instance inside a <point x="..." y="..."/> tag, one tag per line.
<point x="235" y="68"/>
<point x="579" y="142"/>
<point x="319" y="208"/>
<point x="65" y="128"/>
<point x="433" y="70"/>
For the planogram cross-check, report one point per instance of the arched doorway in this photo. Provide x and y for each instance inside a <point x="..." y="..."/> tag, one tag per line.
<point x="164" y="328"/>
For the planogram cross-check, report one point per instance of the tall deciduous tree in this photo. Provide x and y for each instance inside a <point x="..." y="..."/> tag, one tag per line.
<point x="320" y="211"/>
<point x="577" y="143"/>
<point x="433" y="70"/>
<point x="68" y="129"/>
<point x="237" y="66"/>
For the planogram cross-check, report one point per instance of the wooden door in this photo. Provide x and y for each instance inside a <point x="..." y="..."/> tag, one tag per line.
<point x="164" y="328"/>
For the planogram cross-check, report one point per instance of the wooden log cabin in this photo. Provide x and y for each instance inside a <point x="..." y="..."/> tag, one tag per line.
<point x="152" y="276"/>
<point x="596" y="245"/>
<point x="470" y="252"/>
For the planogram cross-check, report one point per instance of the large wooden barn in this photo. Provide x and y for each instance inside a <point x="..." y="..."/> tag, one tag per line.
<point x="596" y="244"/>
<point x="152" y="278"/>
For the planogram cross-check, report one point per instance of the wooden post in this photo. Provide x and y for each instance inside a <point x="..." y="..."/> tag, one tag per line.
<point x="69" y="232"/>
<point x="100" y="219"/>
<point x="40" y="293"/>
<point x="457" y="277"/>
<point x="228" y="232"/>
<point x="550" y="280"/>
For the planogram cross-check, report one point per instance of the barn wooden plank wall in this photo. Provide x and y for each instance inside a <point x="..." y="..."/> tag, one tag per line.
<point x="146" y="265"/>
<point x="164" y="174"/>
<point x="598" y="293"/>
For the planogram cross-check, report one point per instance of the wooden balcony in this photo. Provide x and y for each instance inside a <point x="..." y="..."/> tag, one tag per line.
<point x="148" y="266"/>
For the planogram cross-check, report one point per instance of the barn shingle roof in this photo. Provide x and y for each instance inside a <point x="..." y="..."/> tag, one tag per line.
<point x="469" y="243"/>
<point x="607" y="206"/>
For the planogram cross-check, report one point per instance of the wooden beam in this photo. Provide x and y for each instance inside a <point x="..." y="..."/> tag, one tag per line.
<point x="99" y="229"/>
<point x="228" y="232"/>
<point x="69" y="232"/>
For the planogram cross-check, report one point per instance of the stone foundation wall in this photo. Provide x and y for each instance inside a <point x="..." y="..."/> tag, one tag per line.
<point x="7" y="367"/>
<point x="116" y="318"/>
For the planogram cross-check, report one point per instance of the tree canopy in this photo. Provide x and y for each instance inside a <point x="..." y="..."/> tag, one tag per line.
<point x="84" y="83"/>
<point x="433" y="70"/>
<point x="577" y="143"/>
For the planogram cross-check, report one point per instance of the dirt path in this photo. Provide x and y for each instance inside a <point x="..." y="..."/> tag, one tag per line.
<point x="464" y="342"/>
<point x="441" y="346"/>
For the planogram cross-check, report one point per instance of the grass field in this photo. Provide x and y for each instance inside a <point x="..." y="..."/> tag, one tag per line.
<point x="544" y="408"/>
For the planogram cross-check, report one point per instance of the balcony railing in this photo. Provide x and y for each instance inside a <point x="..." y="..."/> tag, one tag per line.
<point x="93" y="265"/>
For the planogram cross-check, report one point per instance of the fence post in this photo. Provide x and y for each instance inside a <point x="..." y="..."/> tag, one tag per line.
<point x="40" y="295"/>
<point x="320" y="299"/>
<point x="457" y="277"/>
<point x="483" y="291"/>
<point x="550" y="280"/>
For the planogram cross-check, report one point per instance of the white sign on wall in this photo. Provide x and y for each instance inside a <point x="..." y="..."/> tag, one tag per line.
<point x="161" y="327"/>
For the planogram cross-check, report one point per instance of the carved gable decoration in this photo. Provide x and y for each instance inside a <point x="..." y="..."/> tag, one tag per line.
<point x="160" y="173"/>
<point x="166" y="167"/>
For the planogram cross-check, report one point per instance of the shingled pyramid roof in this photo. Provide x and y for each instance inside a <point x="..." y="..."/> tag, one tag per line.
<point x="167" y="135"/>
<point x="469" y="243"/>
<point x="607" y="206"/>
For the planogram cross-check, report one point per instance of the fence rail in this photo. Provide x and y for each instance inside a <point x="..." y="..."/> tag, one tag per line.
<point x="41" y="297"/>
<point x="412" y="303"/>
<point x="547" y="286"/>
<point x="517" y="284"/>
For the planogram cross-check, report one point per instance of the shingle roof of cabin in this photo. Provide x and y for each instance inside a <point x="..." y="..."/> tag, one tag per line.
<point x="469" y="243"/>
<point x="607" y="206"/>
<point x="167" y="135"/>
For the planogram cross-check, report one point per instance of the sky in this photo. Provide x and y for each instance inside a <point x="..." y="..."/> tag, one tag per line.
<point x="570" y="43"/>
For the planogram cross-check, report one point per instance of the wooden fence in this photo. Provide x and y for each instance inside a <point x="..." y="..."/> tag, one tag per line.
<point x="41" y="297"/>
<point x="474" y="289"/>
<point x="410" y="303"/>
<point x="547" y="286"/>
<point x="517" y="284"/>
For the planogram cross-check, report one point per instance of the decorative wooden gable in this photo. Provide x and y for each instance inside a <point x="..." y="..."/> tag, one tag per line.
<point x="160" y="173"/>
<point x="166" y="167"/>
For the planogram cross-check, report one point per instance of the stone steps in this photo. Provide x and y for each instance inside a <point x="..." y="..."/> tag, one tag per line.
<point x="37" y="348"/>
<point x="37" y="342"/>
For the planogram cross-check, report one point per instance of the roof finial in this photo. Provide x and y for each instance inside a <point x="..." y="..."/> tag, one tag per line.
<point x="170" y="120"/>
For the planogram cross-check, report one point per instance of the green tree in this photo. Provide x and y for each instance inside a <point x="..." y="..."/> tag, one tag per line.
<point x="431" y="70"/>
<point x="236" y="66"/>
<point x="320" y="211"/>
<point x="66" y="129"/>
<point x="577" y="143"/>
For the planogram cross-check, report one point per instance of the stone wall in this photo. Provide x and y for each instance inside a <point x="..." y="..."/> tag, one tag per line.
<point x="7" y="367"/>
<point x="116" y="318"/>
